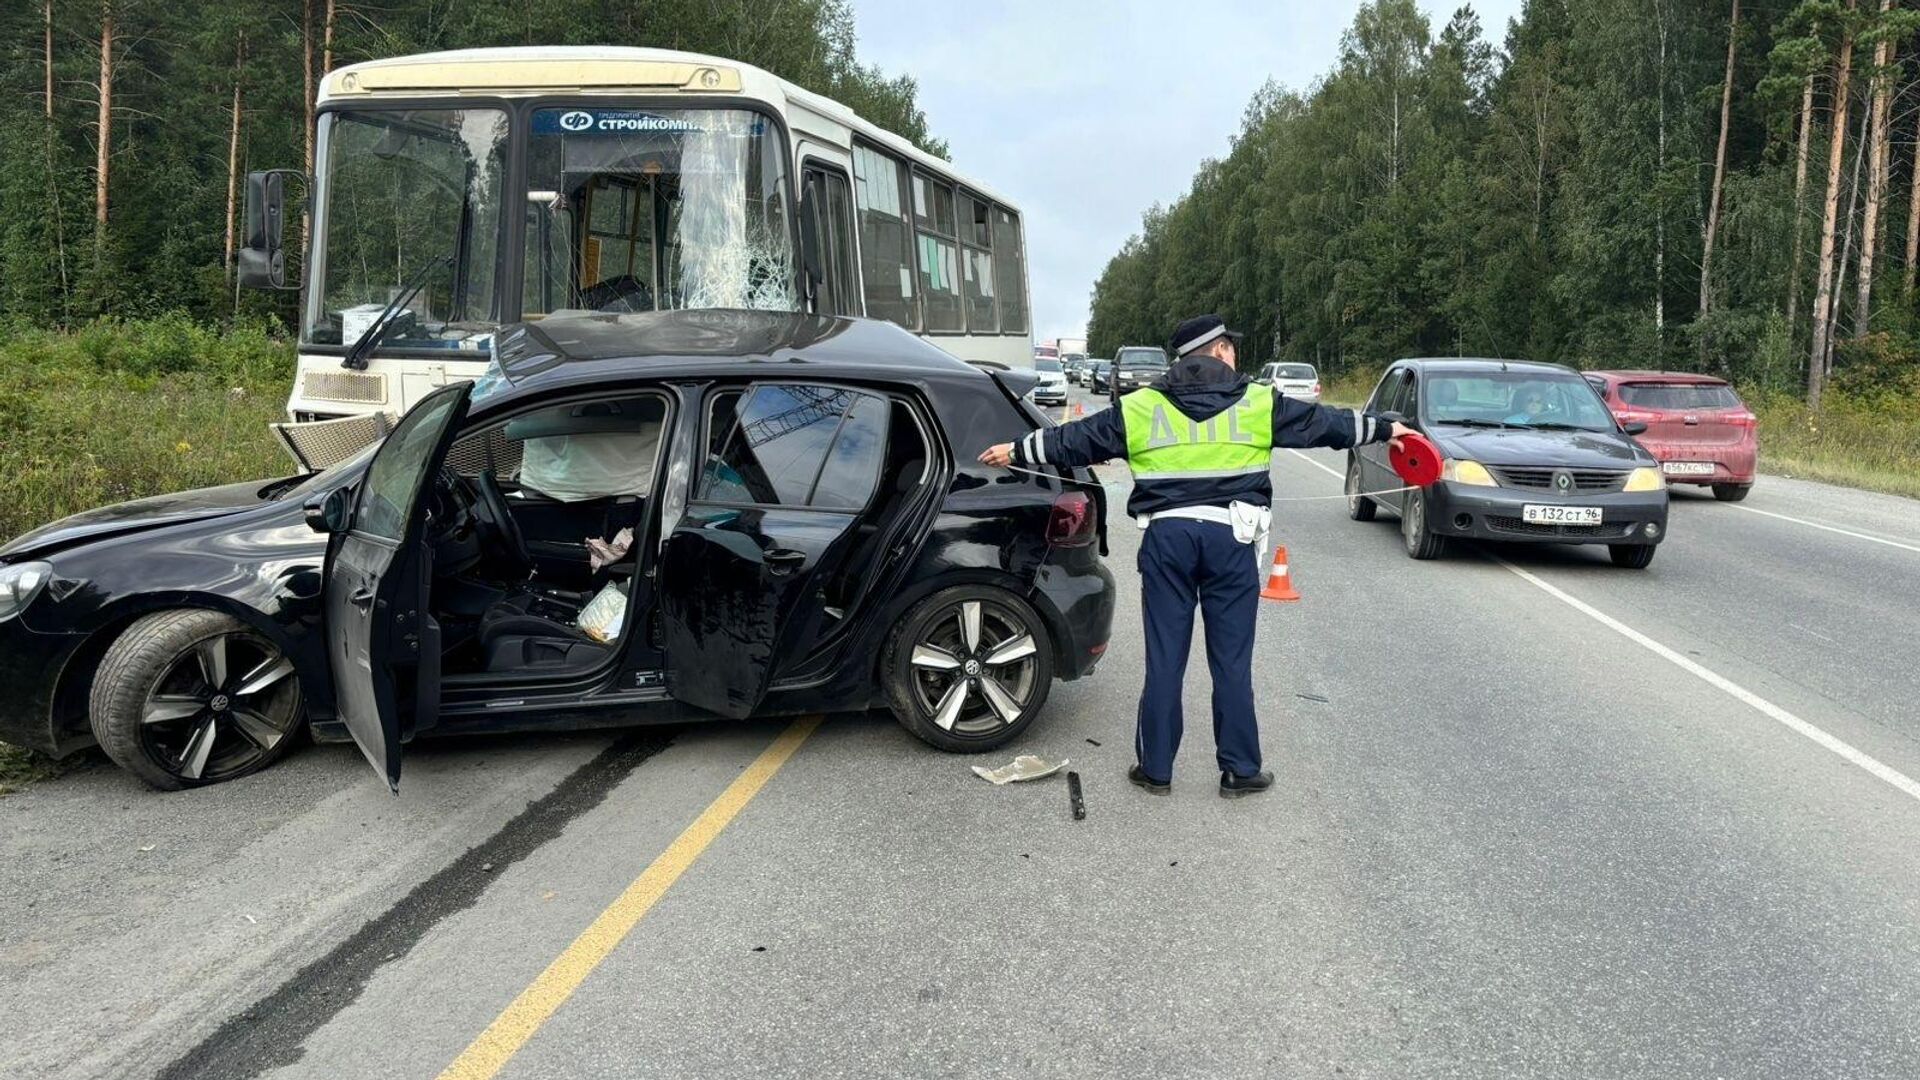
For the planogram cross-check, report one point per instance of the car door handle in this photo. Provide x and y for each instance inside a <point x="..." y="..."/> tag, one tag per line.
<point x="784" y="560"/>
<point x="362" y="599"/>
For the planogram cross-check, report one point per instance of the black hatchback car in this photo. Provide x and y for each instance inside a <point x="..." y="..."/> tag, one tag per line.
<point x="628" y="519"/>
<point x="1531" y="455"/>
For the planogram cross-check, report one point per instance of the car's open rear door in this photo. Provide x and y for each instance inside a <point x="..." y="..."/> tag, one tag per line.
<point x="770" y="519"/>
<point x="382" y="641"/>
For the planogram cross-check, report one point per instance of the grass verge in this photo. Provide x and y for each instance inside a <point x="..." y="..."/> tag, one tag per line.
<point x="116" y="411"/>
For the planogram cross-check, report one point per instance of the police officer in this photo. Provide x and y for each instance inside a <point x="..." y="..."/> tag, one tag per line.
<point x="1199" y="442"/>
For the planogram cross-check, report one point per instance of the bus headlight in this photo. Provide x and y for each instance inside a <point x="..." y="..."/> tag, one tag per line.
<point x="1470" y="473"/>
<point x="1645" y="479"/>
<point x="19" y="584"/>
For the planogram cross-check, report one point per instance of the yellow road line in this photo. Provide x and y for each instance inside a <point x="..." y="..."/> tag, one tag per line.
<point x="486" y="1055"/>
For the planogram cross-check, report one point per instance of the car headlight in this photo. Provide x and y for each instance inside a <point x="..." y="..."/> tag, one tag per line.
<point x="1645" y="479"/>
<point x="19" y="584"/>
<point x="1470" y="473"/>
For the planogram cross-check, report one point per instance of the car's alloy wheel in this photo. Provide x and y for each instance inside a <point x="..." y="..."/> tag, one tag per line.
<point x="968" y="668"/>
<point x="1359" y="507"/>
<point x="186" y="698"/>
<point x="1422" y="542"/>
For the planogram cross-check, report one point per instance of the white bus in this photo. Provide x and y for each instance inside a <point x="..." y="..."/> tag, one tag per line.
<point x="458" y="191"/>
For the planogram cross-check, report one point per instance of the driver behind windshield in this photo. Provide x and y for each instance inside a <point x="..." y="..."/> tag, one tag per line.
<point x="1529" y="403"/>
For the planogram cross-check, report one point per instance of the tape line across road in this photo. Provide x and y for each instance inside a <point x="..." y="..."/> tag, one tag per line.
<point x="519" y="1021"/>
<point x="1907" y="785"/>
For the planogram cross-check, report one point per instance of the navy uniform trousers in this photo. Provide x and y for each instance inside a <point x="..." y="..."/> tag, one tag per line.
<point x="1183" y="561"/>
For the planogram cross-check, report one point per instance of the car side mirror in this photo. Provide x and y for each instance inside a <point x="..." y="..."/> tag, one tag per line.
<point x="1634" y="427"/>
<point x="262" y="260"/>
<point x="1398" y="418"/>
<point x="329" y="513"/>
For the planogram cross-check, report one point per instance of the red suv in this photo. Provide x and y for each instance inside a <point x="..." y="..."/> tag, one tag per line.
<point x="1696" y="426"/>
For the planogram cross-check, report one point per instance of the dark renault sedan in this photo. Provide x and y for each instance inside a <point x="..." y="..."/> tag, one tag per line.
<point x="1531" y="455"/>
<point x="629" y="519"/>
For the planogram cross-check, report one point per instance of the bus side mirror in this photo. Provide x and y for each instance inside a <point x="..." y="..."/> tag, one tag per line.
<point x="263" y="259"/>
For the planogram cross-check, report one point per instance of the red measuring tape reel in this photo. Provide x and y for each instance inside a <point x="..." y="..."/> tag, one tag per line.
<point x="1416" y="460"/>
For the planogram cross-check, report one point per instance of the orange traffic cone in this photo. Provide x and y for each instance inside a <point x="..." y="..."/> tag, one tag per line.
<point x="1280" y="582"/>
<point x="1079" y="409"/>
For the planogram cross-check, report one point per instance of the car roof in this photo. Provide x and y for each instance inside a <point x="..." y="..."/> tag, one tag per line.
<point x="1480" y="363"/>
<point x="1661" y="376"/>
<point x="717" y="342"/>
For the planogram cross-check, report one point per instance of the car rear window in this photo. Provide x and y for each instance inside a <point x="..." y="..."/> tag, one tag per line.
<point x="1293" y="371"/>
<point x="1679" y="395"/>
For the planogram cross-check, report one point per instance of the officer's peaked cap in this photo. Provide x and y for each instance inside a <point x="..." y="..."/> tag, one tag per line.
<point x="1198" y="332"/>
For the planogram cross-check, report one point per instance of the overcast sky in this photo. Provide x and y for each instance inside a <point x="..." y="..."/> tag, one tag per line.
<point x="1086" y="112"/>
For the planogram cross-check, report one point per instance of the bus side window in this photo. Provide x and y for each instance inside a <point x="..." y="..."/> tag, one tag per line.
<point x="832" y="207"/>
<point x="886" y="260"/>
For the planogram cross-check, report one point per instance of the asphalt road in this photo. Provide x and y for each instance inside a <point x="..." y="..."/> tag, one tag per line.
<point x="1537" y="816"/>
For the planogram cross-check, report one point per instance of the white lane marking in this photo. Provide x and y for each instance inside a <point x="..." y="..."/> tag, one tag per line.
<point x="1328" y="469"/>
<point x="1830" y="528"/>
<point x="1885" y="772"/>
<point x="1814" y="633"/>
<point x="1898" y="779"/>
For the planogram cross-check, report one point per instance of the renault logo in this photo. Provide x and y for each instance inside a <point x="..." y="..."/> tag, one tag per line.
<point x="1563" y="482"/>
<point x="576" y="121"/>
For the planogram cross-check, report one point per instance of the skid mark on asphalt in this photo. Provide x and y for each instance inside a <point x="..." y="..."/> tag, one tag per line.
<point x="272" y="1032"/>
<point x="519" y="1021"/>
<point x="1819" y="736"/>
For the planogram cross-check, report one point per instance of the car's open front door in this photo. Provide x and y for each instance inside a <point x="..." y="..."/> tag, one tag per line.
<point x="785" y="472"/>
<point x="382" y="641"/>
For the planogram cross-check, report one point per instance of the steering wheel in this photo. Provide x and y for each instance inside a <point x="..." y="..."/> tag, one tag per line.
<point x="623" y="293"/>
<point x="497" y="520"/>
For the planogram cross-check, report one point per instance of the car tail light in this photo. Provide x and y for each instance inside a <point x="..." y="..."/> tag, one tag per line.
<point x="1742" y="419"/>
<point x="1635" y="416"/>
<point x="1316" y="389"/>
<point x="1070" y="524"/>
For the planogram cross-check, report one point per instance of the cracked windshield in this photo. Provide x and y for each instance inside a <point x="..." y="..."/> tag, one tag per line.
<point x="643" y="210"/>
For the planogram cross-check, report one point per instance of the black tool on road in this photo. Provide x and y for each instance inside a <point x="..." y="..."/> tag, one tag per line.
<point x="1073" y="796"/>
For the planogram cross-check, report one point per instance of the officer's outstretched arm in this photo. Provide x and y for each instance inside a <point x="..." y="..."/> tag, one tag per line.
<point x="1301" y="425"/>
<point x="1100" y="437"/>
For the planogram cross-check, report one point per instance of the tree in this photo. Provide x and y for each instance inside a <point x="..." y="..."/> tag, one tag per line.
<point x="1719" y="178"/>
<point x="1823" y="313"/>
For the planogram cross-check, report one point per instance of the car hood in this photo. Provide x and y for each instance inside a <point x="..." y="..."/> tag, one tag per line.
<point x="134" y="516"/>
<point x="1566" y="449"/>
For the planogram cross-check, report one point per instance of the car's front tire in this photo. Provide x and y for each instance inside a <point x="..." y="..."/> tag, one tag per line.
<point x="1359" y="507"/>
<point x="1421" y="541"/>
<point x="191" y="697"/>
<point x="1731" y="492"/>
<point x="968" y="668"/>
<point x="1631" y="556"/>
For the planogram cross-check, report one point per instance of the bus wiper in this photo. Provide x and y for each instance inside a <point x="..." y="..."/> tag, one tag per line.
<point x="371" y="337"/>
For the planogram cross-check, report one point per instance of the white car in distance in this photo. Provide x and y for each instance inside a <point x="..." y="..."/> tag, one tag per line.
<point x="1294" y="380"/>
<point x="1053" y="382"/>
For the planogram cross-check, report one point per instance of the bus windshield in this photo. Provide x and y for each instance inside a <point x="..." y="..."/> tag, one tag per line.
<point x="625" y="209"/>
<point x="646" y="209"/>
<point x="405" y="197"/>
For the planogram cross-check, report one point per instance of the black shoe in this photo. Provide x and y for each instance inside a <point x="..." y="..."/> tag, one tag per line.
<point x="1154" y="787"/>
<point x="1232" y="787"/>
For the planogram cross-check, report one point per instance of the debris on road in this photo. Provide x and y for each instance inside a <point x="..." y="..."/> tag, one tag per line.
<point x="1093" y="742"/>
<point x="1024" y="767"/>
<point x="1073" y="797"/>
<point x="1314" y="697"/>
